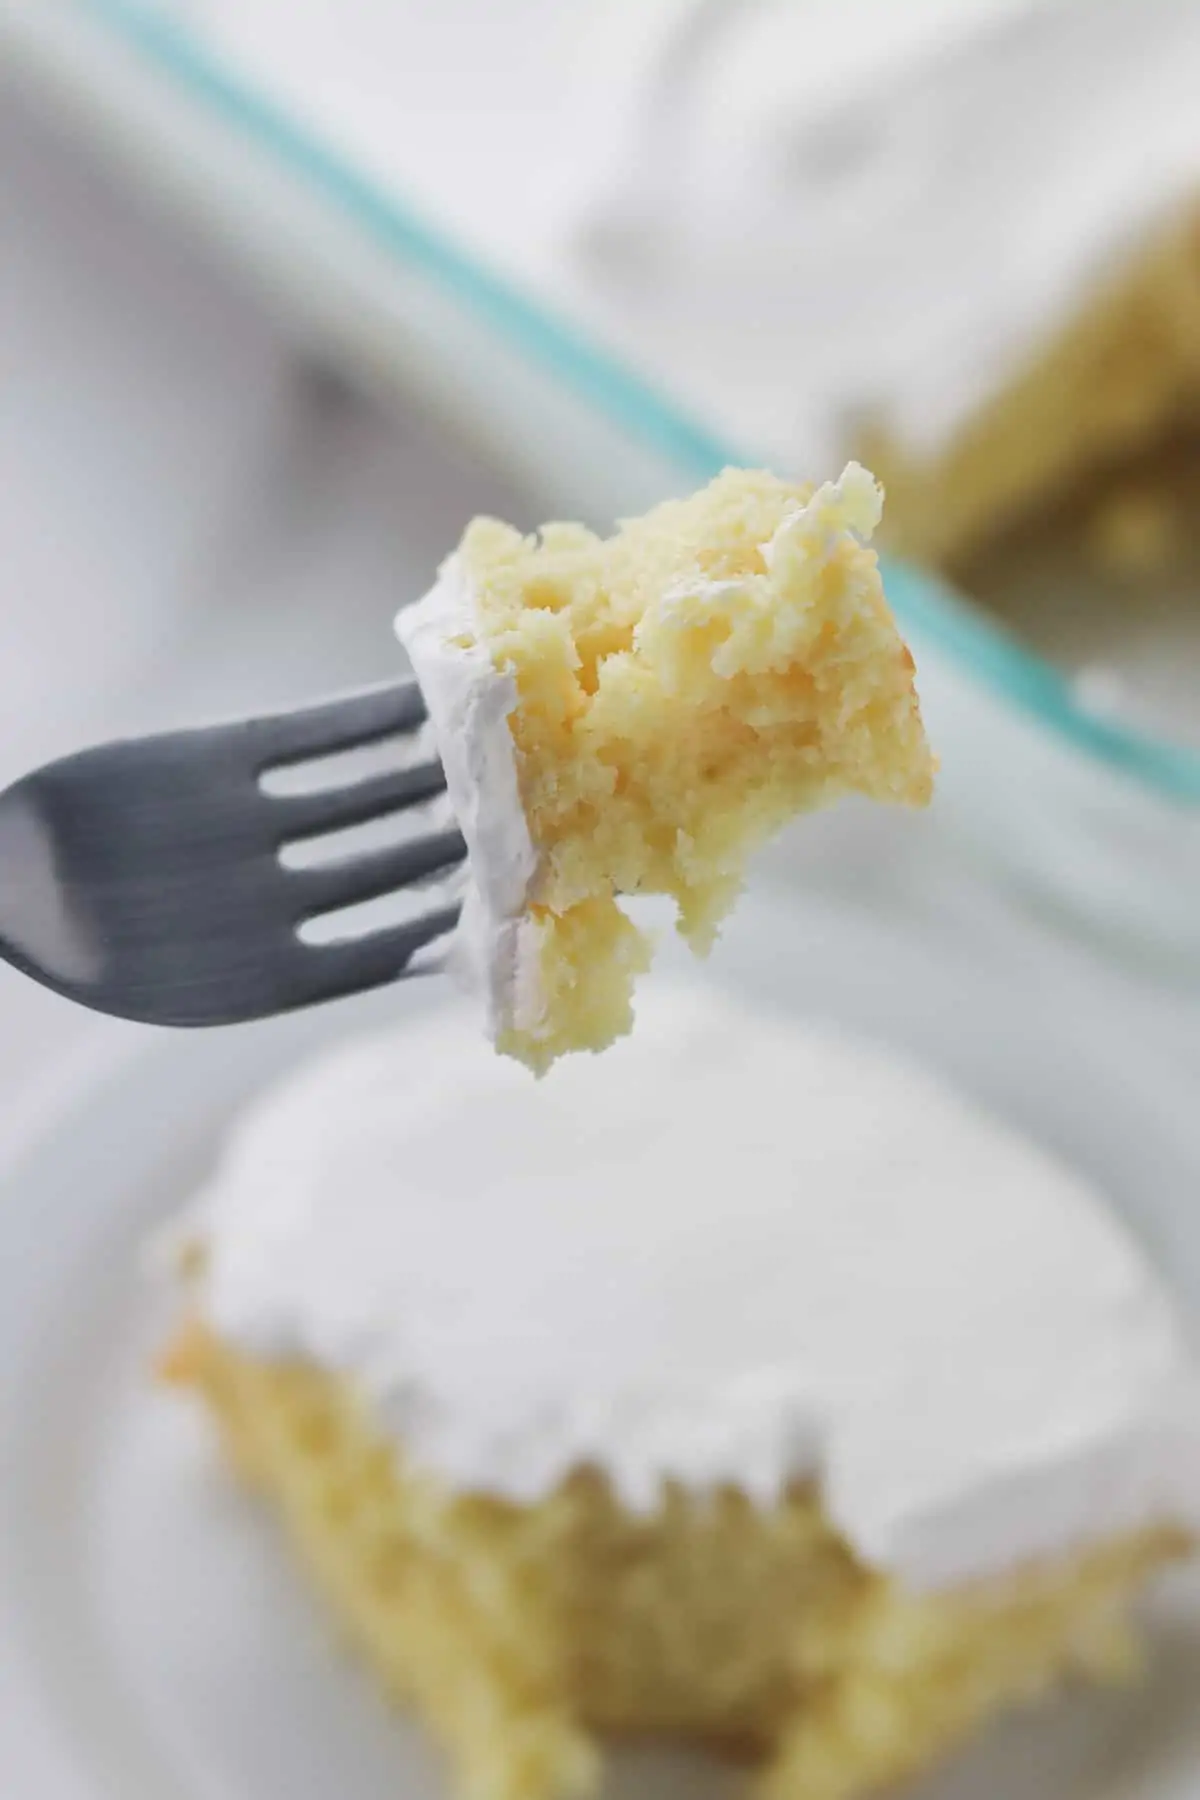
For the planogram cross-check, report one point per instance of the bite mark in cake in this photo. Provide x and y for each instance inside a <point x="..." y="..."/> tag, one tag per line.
<point x="636" y="714"/>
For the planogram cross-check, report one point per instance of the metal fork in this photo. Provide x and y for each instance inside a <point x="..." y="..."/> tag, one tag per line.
<point x="144" y="878"/>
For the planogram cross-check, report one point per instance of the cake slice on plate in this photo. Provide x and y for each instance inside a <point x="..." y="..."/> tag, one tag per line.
<point x="742" y="1386"/>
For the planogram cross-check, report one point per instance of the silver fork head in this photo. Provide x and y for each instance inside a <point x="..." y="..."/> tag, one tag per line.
<point x="144" y="878"/>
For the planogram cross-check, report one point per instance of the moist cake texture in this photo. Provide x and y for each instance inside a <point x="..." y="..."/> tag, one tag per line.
<point x="743" y="1386"/>
<point x="636" y="714"/>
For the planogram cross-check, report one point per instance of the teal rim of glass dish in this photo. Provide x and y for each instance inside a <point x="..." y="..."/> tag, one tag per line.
<point x="984" y="650"/>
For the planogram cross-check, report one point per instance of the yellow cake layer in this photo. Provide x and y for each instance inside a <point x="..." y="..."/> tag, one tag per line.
<point x="684" y="688"/>
<point x="1123" y="376"/>
<point x="524" y="1635"/>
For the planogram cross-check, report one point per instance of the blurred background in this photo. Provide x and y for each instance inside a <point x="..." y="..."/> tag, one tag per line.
<point x="289" y="289"/>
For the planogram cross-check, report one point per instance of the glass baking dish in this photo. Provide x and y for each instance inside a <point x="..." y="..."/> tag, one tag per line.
<point x="1097" y="820"/>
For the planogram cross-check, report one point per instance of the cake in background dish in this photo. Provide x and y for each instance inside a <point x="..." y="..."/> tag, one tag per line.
<point x="742" y="1386"/>
<point x="960" y="242"/>
<point x="1100" y="417"/>
<point x="636" y="714"/>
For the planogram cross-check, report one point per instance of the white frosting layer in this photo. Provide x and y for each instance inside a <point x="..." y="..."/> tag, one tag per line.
<point x="808" y="212"/>
<point x="726" y="1251"/>
<point x="493" y="951"/>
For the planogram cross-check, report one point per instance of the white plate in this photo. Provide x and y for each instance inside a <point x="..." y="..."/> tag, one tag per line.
<point x="154" y="1642"/>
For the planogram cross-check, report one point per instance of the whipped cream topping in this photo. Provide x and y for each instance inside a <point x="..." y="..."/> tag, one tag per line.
<point x="801" y="215"/>
<point x="729" y="1251"/>
<point x="493" y="952"/>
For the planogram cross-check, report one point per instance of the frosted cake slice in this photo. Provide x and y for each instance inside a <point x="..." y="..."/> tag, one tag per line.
<point x="743" y="1386"/>
<point x="635" y="714"/>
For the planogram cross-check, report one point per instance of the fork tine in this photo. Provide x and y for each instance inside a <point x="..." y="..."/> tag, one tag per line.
<point x="330" y="886"/>
<point x="338" y="725"/>
<point x="366" y="962"/>
<point x="297" y="816"/>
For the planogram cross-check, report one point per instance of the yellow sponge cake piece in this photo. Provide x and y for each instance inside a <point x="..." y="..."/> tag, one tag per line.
<point x="669" y="697"/>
